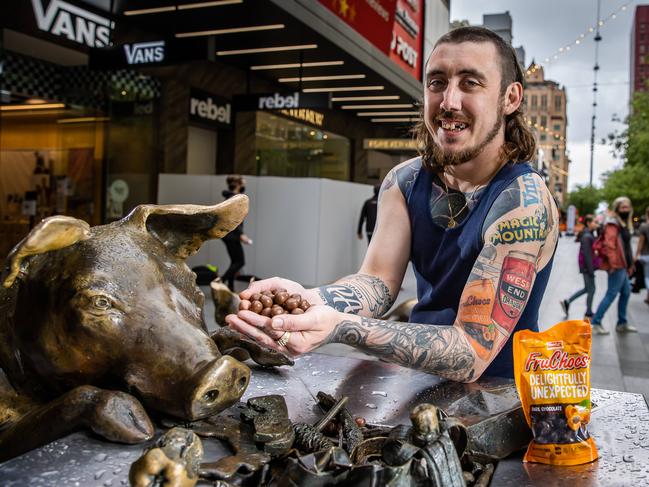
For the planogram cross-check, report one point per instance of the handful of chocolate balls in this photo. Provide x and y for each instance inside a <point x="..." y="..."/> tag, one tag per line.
<point x="275" y="302"/>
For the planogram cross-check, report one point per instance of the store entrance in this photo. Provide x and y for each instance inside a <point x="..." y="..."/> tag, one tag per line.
<point x="289" y="148"/>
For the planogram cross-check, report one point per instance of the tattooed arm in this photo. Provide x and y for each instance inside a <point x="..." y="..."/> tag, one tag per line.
<point x="372" y="291"/>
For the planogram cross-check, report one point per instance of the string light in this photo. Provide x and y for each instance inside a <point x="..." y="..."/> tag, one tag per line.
<point x="579" y="39"/>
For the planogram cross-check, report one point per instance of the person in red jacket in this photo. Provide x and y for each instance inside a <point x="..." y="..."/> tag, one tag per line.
<point x="618" y="262"/>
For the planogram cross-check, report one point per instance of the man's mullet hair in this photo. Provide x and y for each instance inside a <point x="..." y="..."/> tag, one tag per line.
<point x="520" y="145"/>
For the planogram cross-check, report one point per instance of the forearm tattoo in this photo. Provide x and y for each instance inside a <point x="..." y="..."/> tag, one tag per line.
<point x="439" y="350"/>
<point x="358" y="293"/>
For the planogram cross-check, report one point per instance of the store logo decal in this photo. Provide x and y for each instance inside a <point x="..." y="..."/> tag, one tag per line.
<point x="78" y="25"/>
<point x="210" y="110"/>
<point x="145" y="52"/>
<point x="278" y="101"/>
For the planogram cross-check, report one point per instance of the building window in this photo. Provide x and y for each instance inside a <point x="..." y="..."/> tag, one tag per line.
<point x="534" y="101"/>
<point x="642" y="48"/>
<point x="558" y="105"/>
<point x="555" y="154"/>
<point x="543" y="137"/>
<point x="533" y="120"/>
<point x="556" y="127"/>
<point x="544" y="121"/>
<point x="544" y="101"/>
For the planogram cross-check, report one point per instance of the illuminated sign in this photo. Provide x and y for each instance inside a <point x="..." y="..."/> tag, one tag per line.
<point x="278" y="101"/>
<point x="145" y="52"/>
<point x="390" y="144"/>
<point x="74" y="23"/>
<point x="210" y="109"/>
<point x="310" y="116"/>
<point x="281" y="101"/>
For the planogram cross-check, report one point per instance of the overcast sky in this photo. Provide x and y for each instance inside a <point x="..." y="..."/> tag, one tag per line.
<point x="541" y="27"/>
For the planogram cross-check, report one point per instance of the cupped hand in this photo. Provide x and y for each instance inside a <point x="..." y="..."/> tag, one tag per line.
<point x="273" y="283"/>
<point x="308" y="330"/>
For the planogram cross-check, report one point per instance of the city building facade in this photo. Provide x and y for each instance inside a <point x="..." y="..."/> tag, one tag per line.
<point x="545" y="110"/>
<point x="639" y="62"/>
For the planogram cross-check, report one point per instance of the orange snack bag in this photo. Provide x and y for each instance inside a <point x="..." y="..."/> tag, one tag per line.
<point x="552" y="372"/>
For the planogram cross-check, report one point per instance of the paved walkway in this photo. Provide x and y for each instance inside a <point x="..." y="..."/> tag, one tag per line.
<point x="620" y="361"/>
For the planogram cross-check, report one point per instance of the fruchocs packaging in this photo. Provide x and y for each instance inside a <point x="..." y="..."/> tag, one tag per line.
<point x="552" y="371"/>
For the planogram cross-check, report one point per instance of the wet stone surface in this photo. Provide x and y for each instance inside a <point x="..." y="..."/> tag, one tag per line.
<point x="620" y="425"/>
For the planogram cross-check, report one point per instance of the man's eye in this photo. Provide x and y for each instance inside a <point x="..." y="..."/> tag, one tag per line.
<point x="471" y="83"/>
<point x="101" y="302"/>
<point x="435" y="83"/>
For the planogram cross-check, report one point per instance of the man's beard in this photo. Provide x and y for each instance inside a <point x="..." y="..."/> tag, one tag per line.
<point x="442" y="159"/>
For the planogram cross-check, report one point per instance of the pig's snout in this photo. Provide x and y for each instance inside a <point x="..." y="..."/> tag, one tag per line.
<point x="218" y="385"/>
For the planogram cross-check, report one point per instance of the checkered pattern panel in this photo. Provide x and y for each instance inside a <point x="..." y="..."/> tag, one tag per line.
<point x="29" y="77"/>
<point x="77" y="85"/>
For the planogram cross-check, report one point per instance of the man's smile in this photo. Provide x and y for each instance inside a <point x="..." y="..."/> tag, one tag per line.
<point x="452" y="126"/>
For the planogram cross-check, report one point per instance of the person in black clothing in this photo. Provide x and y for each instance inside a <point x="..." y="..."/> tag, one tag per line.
<point x="586" y="267"/>
<point x="233" y="240"/>
<point x="368" y="215"/>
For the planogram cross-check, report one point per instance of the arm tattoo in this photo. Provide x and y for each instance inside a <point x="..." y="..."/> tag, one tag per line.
<point x="357" y="293"/>
<point x="404" y="177"/>
<point x="508" y="200"/>
<point x="439" y="350"/>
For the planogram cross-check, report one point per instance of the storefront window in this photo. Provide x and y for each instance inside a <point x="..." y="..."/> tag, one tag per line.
<point x="290" y="148"/>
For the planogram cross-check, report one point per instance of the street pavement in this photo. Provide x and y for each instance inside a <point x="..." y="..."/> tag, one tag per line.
<point x="620" y="361"/>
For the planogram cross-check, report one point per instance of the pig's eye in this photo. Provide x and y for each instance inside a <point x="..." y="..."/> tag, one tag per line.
<point x="101" y="302"/>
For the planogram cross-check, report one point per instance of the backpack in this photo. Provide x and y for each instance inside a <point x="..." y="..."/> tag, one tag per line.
<point x="598" y="250"/>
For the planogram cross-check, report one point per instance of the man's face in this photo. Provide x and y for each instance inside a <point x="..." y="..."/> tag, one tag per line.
<point x="463" y="106"/>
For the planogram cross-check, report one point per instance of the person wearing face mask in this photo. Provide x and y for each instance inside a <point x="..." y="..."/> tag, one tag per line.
<point x="234" y="239"/>
<point x="618" y="262"/>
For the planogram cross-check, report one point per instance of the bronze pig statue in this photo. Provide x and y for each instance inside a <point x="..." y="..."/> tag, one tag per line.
<point x="93" y="318"/>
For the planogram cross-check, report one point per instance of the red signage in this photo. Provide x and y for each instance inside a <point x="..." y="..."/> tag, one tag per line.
<point x="373" y="19"/>
<point x="407" y="35"/>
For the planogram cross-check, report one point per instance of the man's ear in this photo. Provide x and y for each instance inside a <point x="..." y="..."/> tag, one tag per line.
<point x="513" y="98"/>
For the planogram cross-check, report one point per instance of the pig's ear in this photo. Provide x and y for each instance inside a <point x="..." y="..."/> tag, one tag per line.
<point x="184" y="228"/>
<point x="55" y="232"/>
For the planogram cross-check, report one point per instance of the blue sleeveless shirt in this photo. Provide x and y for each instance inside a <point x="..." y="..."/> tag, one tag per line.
<point x="443" y="258"/>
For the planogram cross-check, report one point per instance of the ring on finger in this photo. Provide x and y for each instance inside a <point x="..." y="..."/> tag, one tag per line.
<point x="283" y="340"/>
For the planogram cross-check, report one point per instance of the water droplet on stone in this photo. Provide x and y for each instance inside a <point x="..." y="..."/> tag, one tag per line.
<point x="380" y="393"/>
<point x="370" y="405"/>
<point x="100" y="457"/>
<point x="628" y="458"/>
<point x="100" y="474"/>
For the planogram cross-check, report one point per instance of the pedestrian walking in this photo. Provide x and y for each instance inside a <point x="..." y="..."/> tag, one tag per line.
<point x="368" y="215"/>
<point x="588" y="263"/>
<point x="618" y="262"/>
<point x="234" y="239"/>
<point x="642" y="251"/>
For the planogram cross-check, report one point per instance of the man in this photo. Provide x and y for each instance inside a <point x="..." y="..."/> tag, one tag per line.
<point x="368" y="215"/>
<point x="480" y="231"/>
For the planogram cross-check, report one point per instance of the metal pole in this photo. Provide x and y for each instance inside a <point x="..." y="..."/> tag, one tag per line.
<point x="597" y="40"/>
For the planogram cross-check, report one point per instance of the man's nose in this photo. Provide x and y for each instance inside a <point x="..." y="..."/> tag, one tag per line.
<point x="452" y="100"/>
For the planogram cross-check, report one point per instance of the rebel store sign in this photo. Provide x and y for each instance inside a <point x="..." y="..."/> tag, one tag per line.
<point x="281" y="101"/>
<point x="210" y="109"/>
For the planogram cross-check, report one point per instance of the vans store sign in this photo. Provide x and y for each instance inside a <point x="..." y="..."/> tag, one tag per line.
<point x="145" y="52"/>
<point x="210" y="109"/>
<point x="73" y="23"/>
